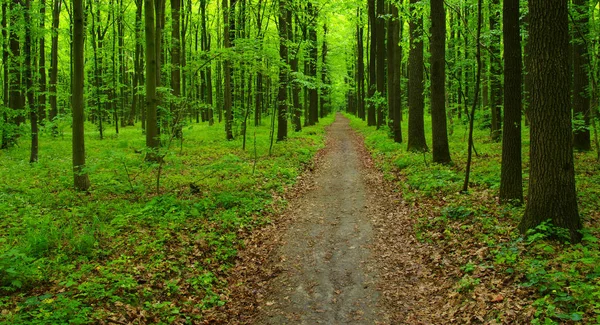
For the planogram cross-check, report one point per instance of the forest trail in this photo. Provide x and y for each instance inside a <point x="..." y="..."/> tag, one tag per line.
<point x="327" y="275"/>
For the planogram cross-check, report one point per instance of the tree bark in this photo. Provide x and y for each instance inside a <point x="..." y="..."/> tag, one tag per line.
<point x="56" y="6"/>
<point x="152" y="141"/>
<point x="41" y="102"/>
<point x="176" y="110"/>
<point x="29" y="90"/>
<point x="511" y="178"/>
<point x="371" y="107"/>
<point x="282" y="127"/>
<point x="394" y="60"/>
<point x="416" y="101"/>
<point x="552" y="193"/>
<point x="227" y="95"/>
<point x="379" y="42"/>
<point x="81" y="180"/>
<point x="495" y="73"/>
<point x="441" y="151"/>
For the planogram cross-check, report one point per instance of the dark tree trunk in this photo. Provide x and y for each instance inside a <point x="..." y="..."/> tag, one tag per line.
<point x="282" y="127"/>
<point x="17" y="101"/>
<point x="81" y="180"/>
<point x="360" y="68"/>
<point x="394" y="59"/>
<point x="371" y="109"/>
<point x="227" y="95"/>
<point x="581" y="82"/>
<point x="152" y="141"/>
<point x="176" y="111"/>
<point x="137" y="74"/>
<point x="495" y="72"/>
<point x="56" y="4"/>
<point x="297" y="113"/>
<point x="6" y="137"/>
<point x="41" y="104"/>
<point x="379" y="42"/>
<point x="33" y="115"/>
<point x="313" y="94"/>
<point x="441" y="151"/>
<point x="324" y="84"/>
<point x="416" y="125"/>
<point x="552" y="193"/>
<point x="511" y="178"/>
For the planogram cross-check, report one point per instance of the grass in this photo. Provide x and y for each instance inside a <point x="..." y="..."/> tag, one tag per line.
<point x="554" y="282"/>
<point x="123" y="251"/>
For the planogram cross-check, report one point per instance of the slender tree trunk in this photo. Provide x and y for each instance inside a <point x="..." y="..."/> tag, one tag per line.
<point x="137" y="74"/>
<point x="227" y="96"/>
<point x="152" y="141"/>
<point x="394" y="60"/>
<point x="42" y="65"/>
<point x="6" y="137"/>
<point x="552" y="193"/>
<point x="33" y="115"/>
<point x="416" y="101"/>
<point x="313" y="110"/>
<point x="81" y="180"/>
<point x="56" y="4"/>
<point x="360" y="68"/>
<point x="379" y="42"/>
<point x="297" y="113"/>
<point x="371" y="110"/>
<point x="176" y="68"/>
<point x="324" y="90"/>
<point x="511" y="178"/>
<point x="16" y="88"/>
<point x="282" y="126"/>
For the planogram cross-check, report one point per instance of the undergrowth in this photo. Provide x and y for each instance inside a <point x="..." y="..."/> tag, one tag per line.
<point x="517" y="278"/>
<point x="123" y="252"/>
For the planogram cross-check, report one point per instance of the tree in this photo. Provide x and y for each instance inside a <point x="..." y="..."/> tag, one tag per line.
<point x="313" y="96"/>
<point x="227" y="95"/>
<point x="282" y="127"/>
<point x="416" y="101"/>
<point x="379" y="43"/>
<point x="552" y="192"/>
<point x="41" y="101"/>
<point x="33" y="114"/>
<point x="394" y="61"/>
<point x="176" y="67"/>
<point x="581" y="81"/>
<point x="56" y="5"/>
<point x="511" y="178"/>
<point x="152" y="141"/>
<point x="360" y="67"/>
<point x="81" y="179"/>
<point x="371" y="108"/>
<point x="441" y="151"/>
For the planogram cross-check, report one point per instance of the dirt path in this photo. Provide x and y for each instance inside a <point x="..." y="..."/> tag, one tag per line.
<point x="326" y="275"/>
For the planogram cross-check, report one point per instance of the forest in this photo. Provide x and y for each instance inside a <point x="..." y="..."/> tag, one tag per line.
<point x="300" y="161"/>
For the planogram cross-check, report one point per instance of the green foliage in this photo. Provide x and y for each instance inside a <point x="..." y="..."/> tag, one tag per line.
<point x="69" y="257"/>
<point x="560" y="279"/>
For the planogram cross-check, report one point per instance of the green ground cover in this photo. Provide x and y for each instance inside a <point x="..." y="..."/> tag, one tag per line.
<point x="560" y="282"/>
<point x="125" y="251"/>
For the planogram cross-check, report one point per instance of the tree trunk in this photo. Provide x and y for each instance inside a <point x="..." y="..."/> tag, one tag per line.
<point x="441" y="151"/>
<point x="227" y="95"/>
<point x="379" y="42"/>
<point x="33" y="115"/>
<point x="176" y="110"/>
<point x="41" y="104"/>
<point x="313" y="110"/>
<point x="416" y="125"/>
<point x="282" y="128"/>
<point x="56" y="4"/>
<point x="152" y="141"/>
<point x="371" y="109"/>
<point x="137" y="74"/>
<point x="324" y="87"/>
<point x="81" y="180"/>
<point x="511" y="178"/>
<point x="394" y="60"/>
<point x="360" y="68"/>
<point x="552" y="193"/>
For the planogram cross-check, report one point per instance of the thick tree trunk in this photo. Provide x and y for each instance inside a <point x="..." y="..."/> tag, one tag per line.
<point x="441" y="151"/>
<point x="81" y="180"/>
<point x="552" y="193"/>
<point x="581" y="81"/>
<point x="511" y="178"/>
<point x="416" y="125"/>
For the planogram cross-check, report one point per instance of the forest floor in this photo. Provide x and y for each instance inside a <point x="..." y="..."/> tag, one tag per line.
<point x="343" y="252"/>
